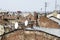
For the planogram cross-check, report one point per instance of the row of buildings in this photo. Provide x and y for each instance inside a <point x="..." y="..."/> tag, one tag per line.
<point x="17" y="20"/>
<point x="8" y="18"/>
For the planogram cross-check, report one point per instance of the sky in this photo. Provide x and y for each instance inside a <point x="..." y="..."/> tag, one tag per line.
<point x="28" y="5"/>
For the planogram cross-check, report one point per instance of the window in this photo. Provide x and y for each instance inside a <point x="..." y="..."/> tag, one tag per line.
<point x="29" y="18"/>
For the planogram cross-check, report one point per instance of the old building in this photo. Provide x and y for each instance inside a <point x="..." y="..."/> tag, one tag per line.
<point x="10" y="17"/>
<point x="30" y="17"/>
<point x="21" y="19"/>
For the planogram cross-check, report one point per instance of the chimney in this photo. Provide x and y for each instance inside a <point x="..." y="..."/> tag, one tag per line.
<point x="36" y="17"/>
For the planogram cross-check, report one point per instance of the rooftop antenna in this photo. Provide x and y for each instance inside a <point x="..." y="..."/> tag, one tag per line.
<point x="41" y="9"/>
<point x="55" y="4"/>
<point x="45" y="8"/>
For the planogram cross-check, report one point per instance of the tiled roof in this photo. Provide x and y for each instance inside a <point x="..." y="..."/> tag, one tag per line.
<point x="46" y="22"/>
<point x="10" y="17"/>
<point x="55" y="19"/>
<point x="28" y="35"/>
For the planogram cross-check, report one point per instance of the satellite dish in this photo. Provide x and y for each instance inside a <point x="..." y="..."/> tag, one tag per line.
<point x="16" y="25"/>
<point x="1" y="30"/>
<point x="26" y="22"/>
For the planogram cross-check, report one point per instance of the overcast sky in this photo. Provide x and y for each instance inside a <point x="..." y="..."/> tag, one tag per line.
<point x="28" y="5"/>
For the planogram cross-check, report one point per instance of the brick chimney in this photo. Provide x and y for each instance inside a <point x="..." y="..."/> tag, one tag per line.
<point x="35" y="17"/>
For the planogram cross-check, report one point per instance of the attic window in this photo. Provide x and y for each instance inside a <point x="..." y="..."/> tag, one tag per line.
<point x="17" y="17"/>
